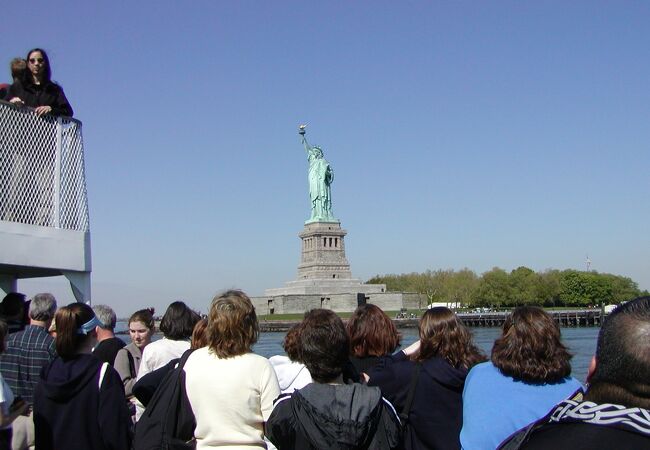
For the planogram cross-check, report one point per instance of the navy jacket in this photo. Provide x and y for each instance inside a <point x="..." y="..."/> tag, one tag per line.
<point x="72" y="411"/>
<point x="436" y="415"/>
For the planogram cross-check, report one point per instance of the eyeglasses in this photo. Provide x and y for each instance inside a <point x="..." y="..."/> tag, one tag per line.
<point x="35" y="60"/>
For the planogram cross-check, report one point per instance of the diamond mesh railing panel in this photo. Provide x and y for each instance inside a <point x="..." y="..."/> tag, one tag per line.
<point x="42" y="175"/>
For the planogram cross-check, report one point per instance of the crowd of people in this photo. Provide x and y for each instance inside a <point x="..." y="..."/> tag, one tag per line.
<point x="68" y="382"/>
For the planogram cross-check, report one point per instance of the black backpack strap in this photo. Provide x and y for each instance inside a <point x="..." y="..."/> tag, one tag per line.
<point x="404" y="415"/>
<point x="184" y="357"/>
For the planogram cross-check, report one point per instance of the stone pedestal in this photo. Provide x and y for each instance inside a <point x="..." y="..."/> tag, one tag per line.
<point x="323" y="252"/>
<point x="323" y="268"/>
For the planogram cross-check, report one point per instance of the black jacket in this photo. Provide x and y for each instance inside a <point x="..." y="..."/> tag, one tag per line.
<point x="107" y="349"/>
<point x="45" y="94"/>
<point x="586" y="425"/>
<point x="436" y="414"/>
<point x="145" y="387"/>
<point x="71" y="411"/>
<point x="325" y="416"/>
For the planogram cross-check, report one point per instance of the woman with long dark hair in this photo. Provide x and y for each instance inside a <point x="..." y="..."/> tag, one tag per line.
<point x="79" y="401"/>
<point x="528" y="374"/>
<point x="36" y="88"/>
<point x="438" y="364"/>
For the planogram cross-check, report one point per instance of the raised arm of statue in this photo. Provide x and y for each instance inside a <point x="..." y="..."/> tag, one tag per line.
<point x="308" y="147"/>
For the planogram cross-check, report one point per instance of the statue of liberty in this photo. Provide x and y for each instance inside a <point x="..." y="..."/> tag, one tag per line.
<point x="321" y="176"/>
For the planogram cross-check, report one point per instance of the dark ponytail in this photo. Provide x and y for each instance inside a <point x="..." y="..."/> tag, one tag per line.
<point x="69" y="321"/>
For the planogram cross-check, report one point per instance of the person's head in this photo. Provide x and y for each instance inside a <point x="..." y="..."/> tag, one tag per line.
<point x="18" y="67"/>
<point x="42" y="308"/>
<point x="4" y="331"/>
<point x="75" y="329"/>
<point x="12" y="306"/>
<point x="443" y="335"/>
<point x="178" y="322"/>
<point x="620" y="371"/>
<point x="232" y="325"/>
<point x="324" y="345"/>
<point x="38" y="65"/>
<point x="291" y="343"/>
<point x="530" y="347"/>
<point x="371" y="332"/>
<point x="200" y="335"/>
<point x="106" y="316"/>
<point x="141" y="327"/>
<point x="318" y="152"/>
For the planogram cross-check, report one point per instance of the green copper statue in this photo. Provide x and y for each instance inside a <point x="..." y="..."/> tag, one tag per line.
<point x="320" y="180"/>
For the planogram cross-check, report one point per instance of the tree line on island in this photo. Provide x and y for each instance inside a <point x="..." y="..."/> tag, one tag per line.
<point x="497" y="288"/>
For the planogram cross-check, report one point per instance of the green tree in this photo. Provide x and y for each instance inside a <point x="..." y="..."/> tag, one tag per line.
<point x="493" y="288"/>
<point x="547" y="288"/>
<point x="584" y="288"/>
<point x="463" y="285"/>
<point x="523" y="283"/>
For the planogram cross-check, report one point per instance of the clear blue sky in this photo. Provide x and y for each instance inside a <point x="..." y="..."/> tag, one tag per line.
<point x="462" y="134"/>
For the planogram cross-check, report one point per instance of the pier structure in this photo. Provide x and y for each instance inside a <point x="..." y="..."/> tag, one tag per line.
<point x="44" y="222"/>
<point x="564" y="318"/>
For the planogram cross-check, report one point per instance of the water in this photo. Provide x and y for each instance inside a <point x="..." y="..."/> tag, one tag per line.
<point x="581" y="343"/>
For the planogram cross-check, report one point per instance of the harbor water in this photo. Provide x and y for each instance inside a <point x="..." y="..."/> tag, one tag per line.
<point x="581" y="342"/>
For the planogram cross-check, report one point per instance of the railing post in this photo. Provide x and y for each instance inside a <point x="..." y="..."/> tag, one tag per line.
<point x="57" y="173"/>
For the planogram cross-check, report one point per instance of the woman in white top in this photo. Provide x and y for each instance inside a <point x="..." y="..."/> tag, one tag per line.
<point x="176" y="326"/>
<point x="292" y="374"/>
<point x="9" y="409"/>
<point x="231" y="390"/>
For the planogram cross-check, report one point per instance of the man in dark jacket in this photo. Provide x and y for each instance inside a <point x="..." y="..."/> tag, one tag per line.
<point x="327" y="413"/>
<point x="615" y="410"/>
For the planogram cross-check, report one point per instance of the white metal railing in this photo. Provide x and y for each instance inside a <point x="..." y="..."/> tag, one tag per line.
<point x="42" y="175"/>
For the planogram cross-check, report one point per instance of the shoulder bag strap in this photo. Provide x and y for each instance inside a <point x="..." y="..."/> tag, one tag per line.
<point x="404" y="415"/>
<point x="102" y="372"/>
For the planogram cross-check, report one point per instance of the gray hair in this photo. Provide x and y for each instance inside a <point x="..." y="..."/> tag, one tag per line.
<point x="42" y="307"/>
<point x="106" y="316"/>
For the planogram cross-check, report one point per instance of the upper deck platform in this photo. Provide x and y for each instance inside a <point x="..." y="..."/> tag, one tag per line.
<point x="44" y="222"/>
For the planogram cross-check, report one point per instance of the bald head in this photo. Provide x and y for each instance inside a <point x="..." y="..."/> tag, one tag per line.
<point x="622" y="371"/>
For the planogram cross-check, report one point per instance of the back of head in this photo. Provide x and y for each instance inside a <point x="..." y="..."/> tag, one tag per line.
<point x="18" y="67"/>
<point x="291" y="343"/>
<point x="232" y="324"/>
<point x="200" y="334"/>
<point x="622" y="372"/>
<point x="371" y="332"/>
<point x="443" y="335"/>
<point x="324" y="345"/>
<point x="75" y="325"/>
<point x="178" y="322"/>
<point x="42" y="307"/>
<point x="12" y="305"/>
<point x="106" y="316"/>
<point x="530" y="347"/>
